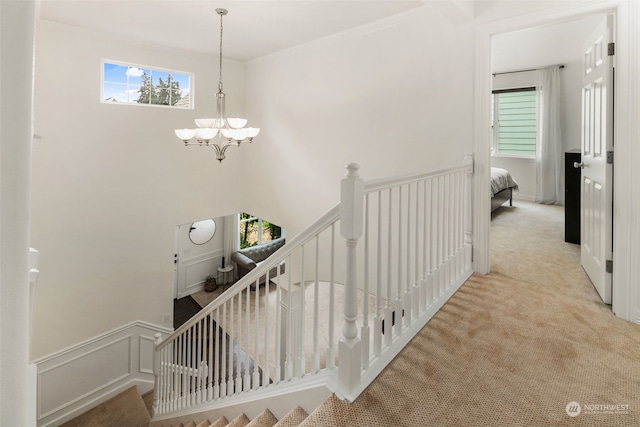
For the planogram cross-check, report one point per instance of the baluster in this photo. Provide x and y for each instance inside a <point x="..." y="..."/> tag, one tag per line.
<point x="461" y="222"/>
<point x="445" y="230"/>
<point x="364" y="331"/>
<point x="433" y="239"/>
<point x="247" y="310"/>
<point x="189" y="369"/>
<point x="238" y="381"/>
<point x="177" y="368"/>
<point x="399" y="307"/>
<point x="424" y="302"/>
<point x="415" y="291"/>
<point x="223" y="354"/>
<point x="440" y="245"/>
<point x="231" y="349"/>
<point x="216" y="348"/>
<point x="256" y="327"/>
<point x="316" y="308"/>
<point x="289" y="357"/>
<point x="278" y="330"/>
<point x="456" y="234"/>
<point x="407" y="305"/>
<point x="330" y="351"/>
<point x="300" y="338"/>
<point x="377" y="323"/>
<point x="388" y="314"/>
<point x="266" y="371"/>
<point x="351" y="213"/>
<point x="197" y="362"/>
<point x="168" y="361"/>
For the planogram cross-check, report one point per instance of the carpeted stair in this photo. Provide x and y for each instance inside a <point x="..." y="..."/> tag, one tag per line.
<point x="126" y="409"/>
<point x="265" y="419"/>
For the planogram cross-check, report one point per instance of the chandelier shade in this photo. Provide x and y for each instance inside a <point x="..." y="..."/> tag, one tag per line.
<point x="219" y="132"/>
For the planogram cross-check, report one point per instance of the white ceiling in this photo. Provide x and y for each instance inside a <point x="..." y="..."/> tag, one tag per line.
<point x="253" y="28"/>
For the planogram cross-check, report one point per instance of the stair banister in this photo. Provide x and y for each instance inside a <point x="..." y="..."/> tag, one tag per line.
<point x="351" y="226"/>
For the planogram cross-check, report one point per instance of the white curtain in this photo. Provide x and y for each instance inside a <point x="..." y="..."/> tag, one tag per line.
<point x="231" y="243"/>
<point x="549" y="159"/>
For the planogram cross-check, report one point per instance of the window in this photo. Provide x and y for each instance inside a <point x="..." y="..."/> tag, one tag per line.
<point x="514" y="122"/>
<point x="255" y="231"/>
<point x="134" y="84"/>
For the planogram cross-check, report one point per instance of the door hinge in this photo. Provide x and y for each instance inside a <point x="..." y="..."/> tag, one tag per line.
<point x="609" y="157"/>
<point x="609" y="266"/>
<point x="611" y="49"/>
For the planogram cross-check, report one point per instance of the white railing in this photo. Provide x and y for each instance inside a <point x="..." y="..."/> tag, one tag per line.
<point x="415" y="253"/>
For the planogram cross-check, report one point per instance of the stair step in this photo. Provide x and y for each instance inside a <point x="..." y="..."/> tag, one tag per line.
<point x="220" y="422"/>
<point x="204" y="423"/>
<point x="239" y="421"/>
<point x="191" y="424"/>
<point x="124" y="409"/>
<point x="265" y="419"/>
<point x="293" y="418"/>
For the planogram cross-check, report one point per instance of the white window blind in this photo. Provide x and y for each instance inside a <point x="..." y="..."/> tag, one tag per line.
<point x="515" y="122"/>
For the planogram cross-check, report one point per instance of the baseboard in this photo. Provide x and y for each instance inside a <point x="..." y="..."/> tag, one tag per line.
<point x="76" y="379"/>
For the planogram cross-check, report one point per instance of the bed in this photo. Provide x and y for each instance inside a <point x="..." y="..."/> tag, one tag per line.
<point x="502" y="187"/>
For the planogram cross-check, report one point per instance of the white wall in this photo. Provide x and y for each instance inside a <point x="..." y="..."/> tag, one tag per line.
<point x="110" y="183"/>
<point x="16" y="133"/>
<point x="537" y="48"/>
<point x="395" y="97"/>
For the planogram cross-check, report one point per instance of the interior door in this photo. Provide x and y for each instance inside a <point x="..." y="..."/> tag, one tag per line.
<point x="597" y="140"/>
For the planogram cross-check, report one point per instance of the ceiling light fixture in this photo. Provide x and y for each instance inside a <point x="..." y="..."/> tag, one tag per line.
<point x="230" y="131"/>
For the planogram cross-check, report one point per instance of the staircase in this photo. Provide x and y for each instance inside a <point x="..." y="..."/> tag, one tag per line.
<point x="333" y="317"/>
<point x="130" y="409"/>
<point x="337" y="311"/>
<point x="265" y="419"/>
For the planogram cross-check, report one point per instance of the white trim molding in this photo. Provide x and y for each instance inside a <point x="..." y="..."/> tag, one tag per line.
<point x="192" y="270"/>
<point x="75" y="379"/>
<point x="626" y="250"/>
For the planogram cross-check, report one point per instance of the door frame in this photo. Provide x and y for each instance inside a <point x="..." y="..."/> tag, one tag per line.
<point x="626" y="233"/>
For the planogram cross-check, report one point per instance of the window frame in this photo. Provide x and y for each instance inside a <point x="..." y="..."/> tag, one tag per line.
<point x="190" y="88"/>
<point x="495" y="144"/>
<point x="259" y="230"/>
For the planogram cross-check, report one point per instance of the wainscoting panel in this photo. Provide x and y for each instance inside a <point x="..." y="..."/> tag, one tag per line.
<point x="194" y="271"/>
<point x="146" y="354"/>
<point x="78" y="378"/>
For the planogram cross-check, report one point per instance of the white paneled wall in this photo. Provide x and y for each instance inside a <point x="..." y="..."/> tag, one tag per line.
<point x="75" y="379"/>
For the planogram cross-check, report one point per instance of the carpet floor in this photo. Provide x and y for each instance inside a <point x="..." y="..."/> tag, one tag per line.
<point x="526" y="345"/>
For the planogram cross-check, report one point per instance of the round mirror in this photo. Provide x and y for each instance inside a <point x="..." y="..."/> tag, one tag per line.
<point x="202" y="231"/>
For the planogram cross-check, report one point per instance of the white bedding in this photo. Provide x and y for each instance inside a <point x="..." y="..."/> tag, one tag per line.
<point x="501" y="179"/>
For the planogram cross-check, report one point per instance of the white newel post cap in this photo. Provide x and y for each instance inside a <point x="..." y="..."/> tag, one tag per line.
<point x="351" y="205"/>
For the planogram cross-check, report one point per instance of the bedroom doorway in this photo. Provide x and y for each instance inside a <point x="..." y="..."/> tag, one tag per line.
<point x="514" y="71"/>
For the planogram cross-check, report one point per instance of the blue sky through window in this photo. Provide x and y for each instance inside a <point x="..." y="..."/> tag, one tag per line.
<point x="122" y="83"/>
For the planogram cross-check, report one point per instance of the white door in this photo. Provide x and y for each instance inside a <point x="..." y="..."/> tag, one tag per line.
<point x="597" y="141"/>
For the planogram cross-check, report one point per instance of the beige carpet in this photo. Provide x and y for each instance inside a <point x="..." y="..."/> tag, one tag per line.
<point x="126" y="409"/>
<point x="512" y="348"/>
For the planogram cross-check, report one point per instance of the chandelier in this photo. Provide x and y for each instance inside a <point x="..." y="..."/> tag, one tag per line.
<point x="229" y="131"/>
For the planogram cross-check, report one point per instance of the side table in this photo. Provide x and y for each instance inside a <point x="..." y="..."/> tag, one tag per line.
<point x="224" y="271"/>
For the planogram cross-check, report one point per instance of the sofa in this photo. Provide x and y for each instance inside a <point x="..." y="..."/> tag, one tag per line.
<point x="249" y="258"/>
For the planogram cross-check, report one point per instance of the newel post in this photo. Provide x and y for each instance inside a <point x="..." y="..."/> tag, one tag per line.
<point x="156" y="373"/>
<point x="468" y="210"/>
<point x="351" y="229"/>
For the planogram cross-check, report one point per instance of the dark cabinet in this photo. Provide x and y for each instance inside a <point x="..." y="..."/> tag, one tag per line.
<point x="572" y="196"/>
